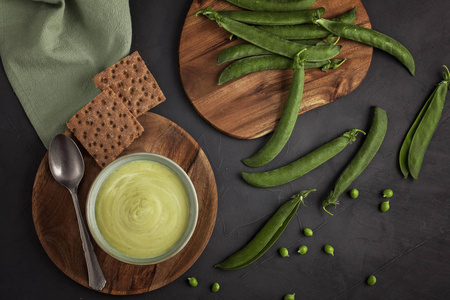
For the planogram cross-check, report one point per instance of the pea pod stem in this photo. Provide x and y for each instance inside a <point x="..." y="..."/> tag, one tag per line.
<point x="427" y="126"/>
<point x="270" y="41"/>
<point x="267" y="236"/>
<point x="303" y="165"/>
<point x="370" y="37"/>
<point x="361" y="160"/>
<point x="273" y="5"/>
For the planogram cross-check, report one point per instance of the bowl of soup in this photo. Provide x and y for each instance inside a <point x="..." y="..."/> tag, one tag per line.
<point x="142" y="209"/>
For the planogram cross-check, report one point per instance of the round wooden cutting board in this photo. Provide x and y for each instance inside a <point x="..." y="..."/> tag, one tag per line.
<point x="250" y="106"/>
<point x="56" y="225"/>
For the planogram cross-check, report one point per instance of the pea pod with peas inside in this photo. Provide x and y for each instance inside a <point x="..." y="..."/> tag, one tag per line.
<point x="273" y="5"/>
<point x="259" y="63"/>
<point x="361" y="160"/>
<point x="370" y="37"/>
<point x="287" y="121"/>
<point x="274" y="18"/>
<point x="247" y="50"/>
<point x="302" y="165"/>
<point x="270" y="41"/>
<point x="415" y="144"/>
<point x="307" y="31"/>
<point x="267" y="236"/>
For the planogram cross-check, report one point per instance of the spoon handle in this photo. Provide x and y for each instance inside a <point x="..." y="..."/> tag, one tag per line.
<point x="96" y="279"/>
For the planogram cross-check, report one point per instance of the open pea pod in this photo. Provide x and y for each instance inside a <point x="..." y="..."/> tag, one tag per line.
<point x="267" y="236"/>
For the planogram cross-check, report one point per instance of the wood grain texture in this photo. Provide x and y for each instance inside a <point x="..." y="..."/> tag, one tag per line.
<point x="251" y="106"/>
<point x="56" y="225"/>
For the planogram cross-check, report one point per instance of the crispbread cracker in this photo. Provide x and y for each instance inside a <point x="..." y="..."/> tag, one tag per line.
<point x="105" y="127"/>
<point x="131" y="80"/>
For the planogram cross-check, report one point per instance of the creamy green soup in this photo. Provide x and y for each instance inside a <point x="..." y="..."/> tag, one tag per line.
<point x="142" y="209"/>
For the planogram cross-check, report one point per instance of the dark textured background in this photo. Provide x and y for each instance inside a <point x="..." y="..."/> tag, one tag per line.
<point x="407" y="248"/>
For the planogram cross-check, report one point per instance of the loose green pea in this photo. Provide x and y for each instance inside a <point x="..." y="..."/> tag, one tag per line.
<point x="308" y="232"/>
<point x="215" y="287"/>
<point x="388" y="193"/>
<point x="302" y="250"/>
<point x="384" y="207"/>
<point x="329" y="249"/>
<point x="192" y="281"/>
<point x="284" y="252"/>
<point x="354" y="193"/>
<point x="289" y="297"/>
<point x="371" y="280"/>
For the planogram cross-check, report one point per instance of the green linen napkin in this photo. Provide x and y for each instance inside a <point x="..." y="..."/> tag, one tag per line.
<point x="51" y="49"/>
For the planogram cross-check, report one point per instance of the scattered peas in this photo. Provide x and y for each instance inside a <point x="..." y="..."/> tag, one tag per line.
<point x="384" y="207"/>
<point x="354" y="193"/>
<point x="388" y="193"/>
<point x="371" y="280"/>
<point x="284" y="252"/>
<point x="289" y="297"/>
<point x="302" y="250"/>
<point x="215" y="287"/>
<point x="192" y="281"/>
<point x="329" y="249"/>
<point x="308" y="232"/>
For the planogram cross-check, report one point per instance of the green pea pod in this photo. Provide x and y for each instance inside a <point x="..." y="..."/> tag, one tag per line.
<point x="302" y="165"/>
<point x="259" y="63"/>
<point x="246" y="50"/>
<point x="267" y="236"/>
<point x="406" y="145"/>
<point x="269" y="41"/>
<point x="308" y="31"/>
<point x="274" y="17"/>
<point x="273" y="5"/>
<point x="370" y="37"/>
<point x="287" y="121"/>
<point x="427" y="127"/>
<point x="363" y="157"/>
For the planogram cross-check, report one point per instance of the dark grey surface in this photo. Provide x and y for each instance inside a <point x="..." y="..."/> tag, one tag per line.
<point x="407" y="248"/>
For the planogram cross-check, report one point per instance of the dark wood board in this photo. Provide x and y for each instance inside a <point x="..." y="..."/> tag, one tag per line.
<point x="56" y="225"/>
<point x="251" y="106"/>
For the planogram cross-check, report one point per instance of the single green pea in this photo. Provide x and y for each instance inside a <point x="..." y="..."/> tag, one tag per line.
<point x="284" y="252"/>
<point x="192" y="281"/>
<point x="302" y="250"/>
<point x="215" y="287"/>
<point x="384" y="207"/>
<point x="371" y="280"/>
<point x="308" y="232"/>
<point x="388" y="193"/>
<point x="354" y="193"/>
<point x="289" y="297"/>
<point x="329" y="249"/>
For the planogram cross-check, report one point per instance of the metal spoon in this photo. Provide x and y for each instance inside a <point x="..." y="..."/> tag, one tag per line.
<point x="67" y="167"/>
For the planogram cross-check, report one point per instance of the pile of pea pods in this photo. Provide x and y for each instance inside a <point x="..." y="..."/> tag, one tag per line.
<point x="290" y="35"/>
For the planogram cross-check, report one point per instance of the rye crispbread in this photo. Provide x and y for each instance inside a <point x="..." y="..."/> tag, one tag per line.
<point x="105" y="127"/>
<point x="131" y="80"/>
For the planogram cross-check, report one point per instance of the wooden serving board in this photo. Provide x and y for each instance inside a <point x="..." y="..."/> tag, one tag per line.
<point x="56" y="225"/>
<point x="250" y="107"/>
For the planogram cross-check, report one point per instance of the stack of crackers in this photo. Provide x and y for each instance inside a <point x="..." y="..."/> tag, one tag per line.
<point x="108" y="124"/>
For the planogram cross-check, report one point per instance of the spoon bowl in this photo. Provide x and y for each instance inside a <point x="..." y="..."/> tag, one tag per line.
<point x="67" y="167"/>
<point x="66" y="162"/>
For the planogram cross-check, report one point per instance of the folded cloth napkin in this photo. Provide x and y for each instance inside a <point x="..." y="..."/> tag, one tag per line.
<point x="51" y="49"/>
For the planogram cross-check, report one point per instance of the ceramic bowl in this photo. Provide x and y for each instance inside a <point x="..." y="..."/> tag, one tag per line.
<point x="91" y="207"/>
